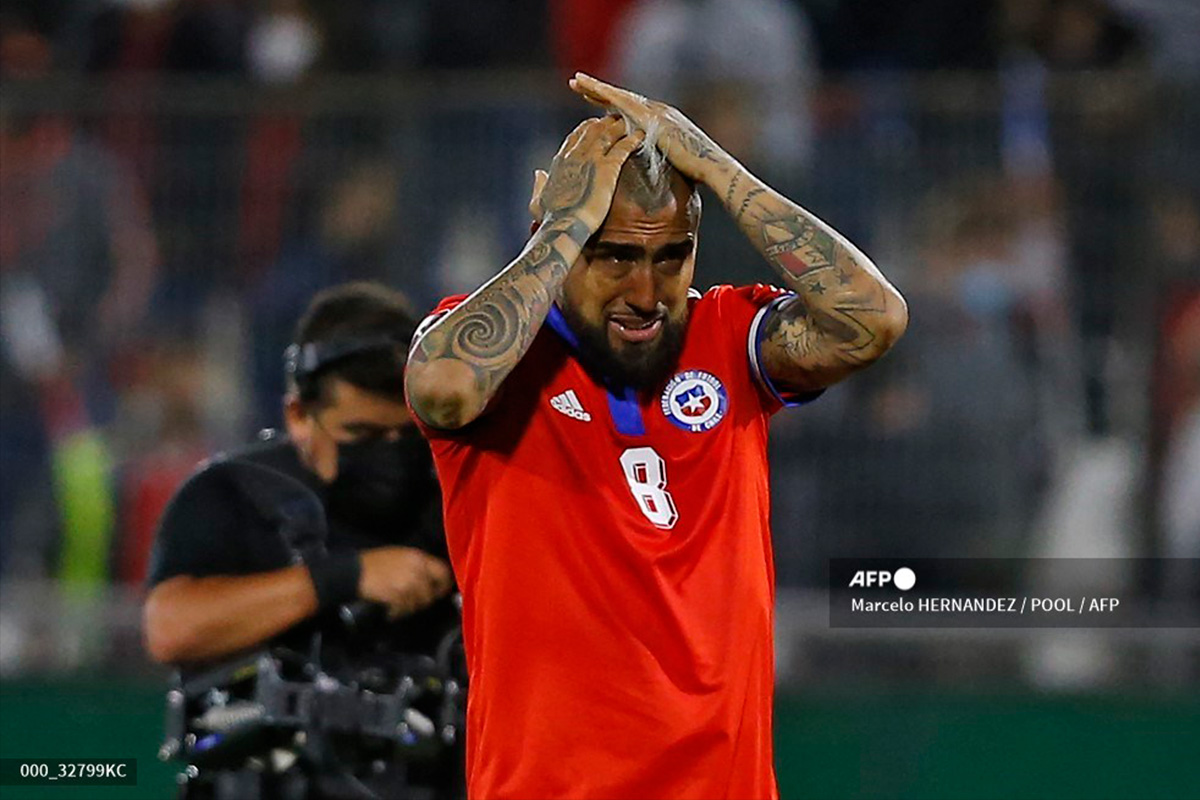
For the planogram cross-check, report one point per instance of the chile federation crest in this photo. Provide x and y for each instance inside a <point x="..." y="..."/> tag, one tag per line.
<point x="695" y="400"/>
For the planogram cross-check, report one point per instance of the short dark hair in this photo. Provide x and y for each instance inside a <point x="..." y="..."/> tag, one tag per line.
<point x="650" y="181"/>
<point x="359" y="311"/>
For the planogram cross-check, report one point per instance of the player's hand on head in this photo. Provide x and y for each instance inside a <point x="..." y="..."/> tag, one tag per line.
<point x="583" y="175"/>
<point x="688" y="148"/>
<point x="536" y="210"/>
<point x="403" y="579"/>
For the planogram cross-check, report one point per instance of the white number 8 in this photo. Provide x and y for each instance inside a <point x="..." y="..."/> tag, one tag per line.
<point x="646" y="473"/>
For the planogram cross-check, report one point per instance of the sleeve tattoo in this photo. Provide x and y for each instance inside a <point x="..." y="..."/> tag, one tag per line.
<point x="492" y="329"/>
<point x="844" y="314"/>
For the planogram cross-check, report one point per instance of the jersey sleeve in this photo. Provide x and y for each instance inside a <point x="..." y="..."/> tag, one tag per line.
<point x="432" y="434"/>
<point x="443" y="308"/>
<point x="745" y="311"/>
<point x="199" y="531"/>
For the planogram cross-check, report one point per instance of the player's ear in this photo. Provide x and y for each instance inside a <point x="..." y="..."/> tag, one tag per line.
<point x="296" y="418"/>
<point x="540" y="176"/>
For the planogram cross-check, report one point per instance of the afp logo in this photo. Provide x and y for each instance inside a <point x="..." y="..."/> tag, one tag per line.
<point x="903" y="578"/>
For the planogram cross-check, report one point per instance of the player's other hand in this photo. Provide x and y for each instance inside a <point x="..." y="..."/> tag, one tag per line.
<point x="683" y="143"/>
<point x="583" y="175"/>
<point x="403" y="578"/>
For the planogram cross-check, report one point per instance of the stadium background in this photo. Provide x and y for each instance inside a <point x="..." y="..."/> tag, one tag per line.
<point x="178" y="176"/>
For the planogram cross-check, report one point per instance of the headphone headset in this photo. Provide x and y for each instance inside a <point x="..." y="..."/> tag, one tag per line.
<point x="301" y="362"/>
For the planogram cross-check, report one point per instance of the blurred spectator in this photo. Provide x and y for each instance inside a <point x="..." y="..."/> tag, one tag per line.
<point x="1175" y="440"/>
<point x="346" y="240"/>
<point x="78" y="263"/>
<point x="159" y="424"/>
<point x="584" y="32"/>
<point x="1181" y="489"/>
<point x="125" y="47"/>
<point x="1025" y="143"/>
<point x="709" y="57"/>
<point x="1176" y="230"/>
<point x="28" y="516"/>
<point x="1180" y="403"/>
<point x="1174" y="28"/>
<point x="1096" y="124"/>
<point x="283" y="43"/>
<point x="75" y="222"/>
<point x="757" y="55"/>
<point x="1176" y="481"/>
<point x="946" y="434"/>
<point x="201" y="155"/>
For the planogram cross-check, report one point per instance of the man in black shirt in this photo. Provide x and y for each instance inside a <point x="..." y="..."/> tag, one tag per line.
<point x="264" y="545"/>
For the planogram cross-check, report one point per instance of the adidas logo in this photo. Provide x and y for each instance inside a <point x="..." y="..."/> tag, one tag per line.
<point x="567" y="403"/>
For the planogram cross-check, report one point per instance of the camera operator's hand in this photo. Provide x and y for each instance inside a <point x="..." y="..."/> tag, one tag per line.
<point x="403" y="578"/>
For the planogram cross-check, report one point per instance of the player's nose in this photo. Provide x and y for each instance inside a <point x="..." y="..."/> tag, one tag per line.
<point x="641" y="295"/>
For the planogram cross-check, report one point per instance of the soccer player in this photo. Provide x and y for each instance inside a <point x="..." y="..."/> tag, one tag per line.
<point x="600" y="432"/>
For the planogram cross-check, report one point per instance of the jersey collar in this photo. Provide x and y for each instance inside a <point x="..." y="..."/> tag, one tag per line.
<point x="622" y="400"/>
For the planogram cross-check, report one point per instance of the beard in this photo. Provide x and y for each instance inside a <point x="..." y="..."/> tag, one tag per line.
<point x="641" y="366"/>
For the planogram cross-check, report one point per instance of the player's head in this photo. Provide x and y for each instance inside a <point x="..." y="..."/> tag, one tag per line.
<point x="626" y="295"/>
<point x="345" y="374"/>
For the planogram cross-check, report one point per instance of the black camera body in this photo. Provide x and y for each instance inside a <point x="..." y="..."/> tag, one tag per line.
<point x="277" y="711"/>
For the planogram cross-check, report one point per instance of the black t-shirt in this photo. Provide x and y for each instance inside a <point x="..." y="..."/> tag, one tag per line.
<point x="217" y="525"/>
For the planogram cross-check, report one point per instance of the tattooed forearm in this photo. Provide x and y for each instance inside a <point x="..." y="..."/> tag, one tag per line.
<point x="844" y="315"/>
<point x="488" y="332"/>
<point x="750" y="195"/>
<point x="568" y="187"/>
<point x="804" y="330"/>
<point x="732" y="188"/>
<point x="796" y="245"/>
<point x="694" y="142"/>
<point x="483" y="338"/>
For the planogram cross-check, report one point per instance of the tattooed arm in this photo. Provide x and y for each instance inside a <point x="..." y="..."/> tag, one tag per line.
<point x="458" y="365"/>
<point x="844" y="315"/>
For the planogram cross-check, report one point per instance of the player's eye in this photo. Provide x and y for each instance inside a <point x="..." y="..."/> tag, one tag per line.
<point x="614" y="265"/>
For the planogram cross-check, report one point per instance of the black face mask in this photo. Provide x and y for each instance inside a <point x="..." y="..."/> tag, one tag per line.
<point x="382" y="483"/>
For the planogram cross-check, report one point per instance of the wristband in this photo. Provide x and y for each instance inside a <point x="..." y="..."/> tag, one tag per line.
<point x="335" y="577"/>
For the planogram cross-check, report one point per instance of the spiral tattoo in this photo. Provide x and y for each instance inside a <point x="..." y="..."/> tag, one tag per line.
<point x="491" y="331"/>
<point x="482" y="336"/>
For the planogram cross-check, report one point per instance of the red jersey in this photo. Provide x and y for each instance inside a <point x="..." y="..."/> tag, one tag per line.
<point x="614" y="557"/>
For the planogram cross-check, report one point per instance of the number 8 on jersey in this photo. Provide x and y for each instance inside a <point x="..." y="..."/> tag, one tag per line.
<point x="646" y="473"/>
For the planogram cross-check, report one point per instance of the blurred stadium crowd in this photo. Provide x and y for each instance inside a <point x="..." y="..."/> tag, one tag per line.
<point x="177" y="178"/>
